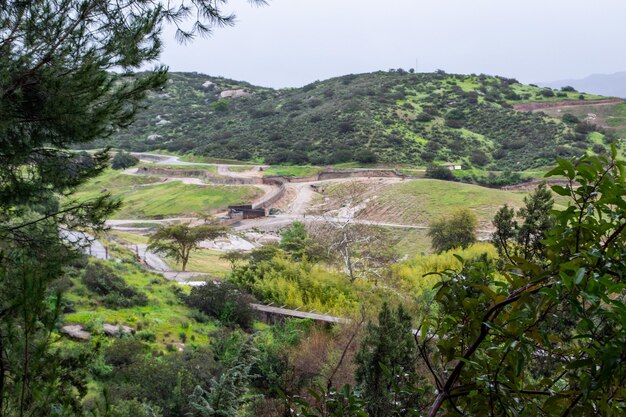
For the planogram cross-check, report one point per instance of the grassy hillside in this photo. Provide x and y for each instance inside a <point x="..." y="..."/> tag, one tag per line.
<point x="377" y="117"/>
<point x="610" y="116"/>
<point x="142" y="199"/>
<point x="421" y="201"/>
<point x="163" y="315"/>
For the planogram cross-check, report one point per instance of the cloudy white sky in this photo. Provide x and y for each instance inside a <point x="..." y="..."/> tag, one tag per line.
<point x="290" y="43"/>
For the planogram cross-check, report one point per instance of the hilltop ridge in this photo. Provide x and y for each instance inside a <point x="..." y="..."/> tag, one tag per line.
<point x="389" y="117"/>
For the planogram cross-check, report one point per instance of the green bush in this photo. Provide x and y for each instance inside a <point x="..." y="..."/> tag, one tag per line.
<point x="146" y="335"/>
<point x="366" y="156"/>
<point x="439" y="173"/>
<point x="111" y="288"/>
<point x="570" y="118"/>
<point x="547" y="92"/>
<point x="223" y="301"/>
<point x="123" y="160"/>
<point x="458" y="230"/>
<point x="167" y="382"/>
<point x="220" y="105"/>
<point x="599" y="149"/>
<point x="124" y="351"/>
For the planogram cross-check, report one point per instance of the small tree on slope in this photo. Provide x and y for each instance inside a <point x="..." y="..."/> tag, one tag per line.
<point x="179" y="240"/>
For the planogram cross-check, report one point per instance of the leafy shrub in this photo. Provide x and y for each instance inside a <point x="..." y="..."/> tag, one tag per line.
<point x="296" y="284"/>
<point x="165" y="382"/>
<point x="346" y="126"/>
<point x="220" y="105"/>
<point x="512" y="95"/>
<point x="340" y="156"/>
<point x="599" y="149"/>
<point x="455" y="118"/>
<point x="479" y="158"/>
<point x="134" y="408"/>
<point x="114" y="292"/>
<point x="365" y="156"/>
<point x="454" y="231"/>
<point x="428" y="156"/>
<point x="224" y="301"/>
<point x="124" y="351"/>
<point x="424" y="117"/>
<point x="547" y="92"/>
<point x="570" y="118"/>
<point x="439" y="172"/>
<point x="585" y="127"/>
<point x="491" y="179"/>
<point x="146" y="335"/>
<point x="123" y="160"/>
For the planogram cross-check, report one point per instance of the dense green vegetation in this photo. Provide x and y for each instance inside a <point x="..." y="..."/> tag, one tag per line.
<point x="391" y="116"/>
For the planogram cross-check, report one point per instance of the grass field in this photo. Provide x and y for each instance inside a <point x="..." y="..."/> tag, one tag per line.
<point x="208" y="160"/>
<point x="111" y="179"/>
<point x="421" y="201"/>
<point x="238" y="168"/>
<point x="292" y="171"/>
<point x="210" y="168"/>
<point x="411" y="242"/>
<point x="209" y="262"/>
<point x="164" y="199"/>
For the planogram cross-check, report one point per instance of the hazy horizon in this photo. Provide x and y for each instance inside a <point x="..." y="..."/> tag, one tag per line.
<point x="289" y="44"/>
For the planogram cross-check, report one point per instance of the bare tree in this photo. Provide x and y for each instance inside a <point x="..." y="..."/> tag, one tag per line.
<point x="362" y="250"/>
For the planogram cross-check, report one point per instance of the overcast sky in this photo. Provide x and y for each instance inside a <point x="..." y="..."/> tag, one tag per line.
<point x="290" y="43"/>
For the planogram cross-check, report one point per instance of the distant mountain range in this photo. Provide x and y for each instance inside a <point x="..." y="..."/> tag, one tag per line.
<point x="613" y="85"/>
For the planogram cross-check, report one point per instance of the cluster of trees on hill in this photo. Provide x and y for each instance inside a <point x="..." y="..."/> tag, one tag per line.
<point x="378" y="117"/>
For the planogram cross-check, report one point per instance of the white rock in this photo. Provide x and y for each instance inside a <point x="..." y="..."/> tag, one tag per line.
<point x="76" y="331"/>
<point x="234" y="93"/>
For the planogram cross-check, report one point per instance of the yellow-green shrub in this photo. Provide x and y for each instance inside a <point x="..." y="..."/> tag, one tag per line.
<point x="412" y="275"/>
<point x="298" y="284"/>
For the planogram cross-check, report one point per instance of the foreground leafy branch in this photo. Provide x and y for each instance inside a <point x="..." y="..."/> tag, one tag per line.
<point x="546" y="336"/>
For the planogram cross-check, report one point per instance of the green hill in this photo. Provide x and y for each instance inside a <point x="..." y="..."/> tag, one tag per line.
<point x="391" y="116"/>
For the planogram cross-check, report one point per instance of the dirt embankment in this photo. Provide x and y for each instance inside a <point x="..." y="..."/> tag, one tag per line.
<point x="567" y="103"/>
